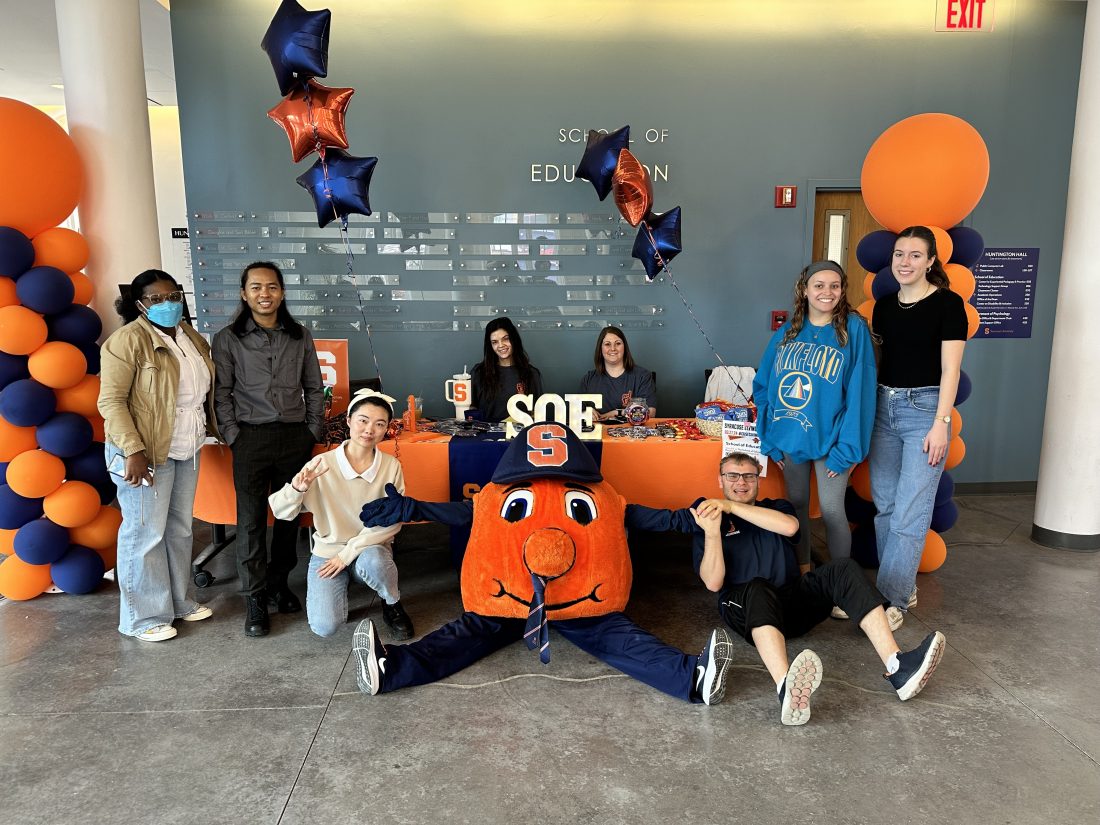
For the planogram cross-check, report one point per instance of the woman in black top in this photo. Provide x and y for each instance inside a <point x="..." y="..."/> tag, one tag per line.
<point x="923" y="331"/>
<point x="504" y="371"/>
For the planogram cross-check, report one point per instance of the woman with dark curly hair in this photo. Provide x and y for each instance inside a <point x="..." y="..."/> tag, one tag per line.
<point x="815" y="397"/>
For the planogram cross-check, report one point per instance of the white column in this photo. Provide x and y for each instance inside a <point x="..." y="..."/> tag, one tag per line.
<point x="103" y="71"/>
<point x="1066" y="511"/>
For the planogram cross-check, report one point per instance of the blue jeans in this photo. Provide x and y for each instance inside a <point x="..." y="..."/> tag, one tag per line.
<point x="154" y="545"/>
<point x="903" y="485"/>
<point x="327" y="599"/>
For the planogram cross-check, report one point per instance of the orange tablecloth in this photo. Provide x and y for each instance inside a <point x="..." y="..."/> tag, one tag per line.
<point x="656" y="472"/>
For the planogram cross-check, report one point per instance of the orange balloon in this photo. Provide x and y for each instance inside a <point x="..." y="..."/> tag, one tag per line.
<point x="866" y="308"/>
<point x="773" y="485"/>
<point x="7" y="542"/>
<point x="321" y="120"/>
<point x="98" y="431"/>
<point x="20" y="581"/>
<point x="956" y="452"/>
<point x="945" y="153"/>
<point x="8" y="298"/>
<point x="60" y="247"/>
<point x="973" y="320"/>
<point x="22" y="330"/>
<point x="109" y="556"/>
<point x="15" y="440"/>
<point x="35" y="473"/>
<point x="101" y="532"/>
<point x="72" y="504"/>
<point x="860" y="479"/>
<point x="956" y="423"/>
<point x="39" y="192"/>
<point x="58" y="365"/>
<point x="868" y="279"/>
<point x="934" y="554"/>
<point x="83" y="288"/>
<point x="632" y="187"/>
<point x="962" y="280"/>
<point x="80" y="398"/>
<point x="944" y="245"/>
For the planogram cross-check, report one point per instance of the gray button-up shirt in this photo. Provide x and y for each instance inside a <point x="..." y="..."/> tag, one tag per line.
<point x="266" y="376"/>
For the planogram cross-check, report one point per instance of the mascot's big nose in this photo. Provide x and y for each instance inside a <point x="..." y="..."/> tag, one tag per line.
<point x="549" y="552"/>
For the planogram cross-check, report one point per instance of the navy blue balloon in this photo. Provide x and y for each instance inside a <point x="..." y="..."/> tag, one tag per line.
<point x="857" y="509"/>
<point x="296" y="43"/>
<point x="107" y="492"/>
<point x="666" y="232"/>
<point x="944" y="516"/>
<point x="946" y="488"/>
<point x="45" y="289"/>
<point x="865" y="545"/>
<point x="41" y="541"/>
<point x="89" y="466"/>
<point x="76" y="325"/>
<point x="26" y="403"/>
<point x="961" y="395"/>
<point x="885" y="284"/>
<point x="345" y="192"/>
<point x="968" y="246"/>
<point x="601" y="156"/>
<point x="65" y="435"/>
<point x="12" y="368"/>
<point x="16" y="253"/>
<point x="875" y="249"/>
<point x="91" y="355"/>
<point x="4" y="472"/>
<point x="15" y="511"/>
<point x="79" y="571"/>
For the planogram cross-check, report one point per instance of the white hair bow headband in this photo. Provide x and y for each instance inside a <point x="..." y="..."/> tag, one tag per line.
<point x="369" y="393"/>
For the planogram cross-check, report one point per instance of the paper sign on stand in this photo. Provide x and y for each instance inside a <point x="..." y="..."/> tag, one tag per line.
<point x="740" y="437"/>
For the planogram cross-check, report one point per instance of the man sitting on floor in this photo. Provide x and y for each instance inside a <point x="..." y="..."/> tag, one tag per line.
<point x="744" y="551"/>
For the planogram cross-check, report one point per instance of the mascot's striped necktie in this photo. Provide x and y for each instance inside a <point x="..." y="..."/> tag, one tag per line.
<point x="537" y="632"/>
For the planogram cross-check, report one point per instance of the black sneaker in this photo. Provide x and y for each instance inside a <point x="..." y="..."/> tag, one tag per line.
<point x="916" y="666"/>
<point x="370" y="658"/>
<point x="256" y="621"/>
<point x="284" y="600"/>
<point x="803" y="678"/>
<point x="710" y="675"/>
<point x="397" y="620"/>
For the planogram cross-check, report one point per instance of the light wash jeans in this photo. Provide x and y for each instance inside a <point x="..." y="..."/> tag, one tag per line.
<point x="327" y="599"/>
<point x="154" y="545"/>
<point x="903" y="485"/>
<point x="830" y="494"/>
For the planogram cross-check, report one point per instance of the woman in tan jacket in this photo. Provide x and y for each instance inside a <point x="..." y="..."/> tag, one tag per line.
<point x="155" y="397"/>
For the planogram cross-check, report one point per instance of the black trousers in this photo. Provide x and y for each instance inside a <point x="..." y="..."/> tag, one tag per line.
<point x="265" y="457"/>
<point x="801" y="605"/>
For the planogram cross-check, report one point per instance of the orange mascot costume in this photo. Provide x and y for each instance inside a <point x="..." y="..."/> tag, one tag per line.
<point x="547" y="548"/>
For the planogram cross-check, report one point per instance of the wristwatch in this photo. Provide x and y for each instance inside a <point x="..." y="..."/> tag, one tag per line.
<point x="946" y="419"/>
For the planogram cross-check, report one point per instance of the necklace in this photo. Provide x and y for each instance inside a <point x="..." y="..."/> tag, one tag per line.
<point x="912" y="304"/>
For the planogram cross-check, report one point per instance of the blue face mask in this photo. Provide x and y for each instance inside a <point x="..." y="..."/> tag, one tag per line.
<point x="165" y="314"/>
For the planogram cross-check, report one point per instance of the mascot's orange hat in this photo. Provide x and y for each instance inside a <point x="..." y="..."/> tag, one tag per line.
<point x="547" y="515"/>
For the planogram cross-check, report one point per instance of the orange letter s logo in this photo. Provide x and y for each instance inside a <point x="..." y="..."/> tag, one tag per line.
<point x="546" y="445"/>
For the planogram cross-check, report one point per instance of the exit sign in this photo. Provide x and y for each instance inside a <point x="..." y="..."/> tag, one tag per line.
<point x="964" y="15"/>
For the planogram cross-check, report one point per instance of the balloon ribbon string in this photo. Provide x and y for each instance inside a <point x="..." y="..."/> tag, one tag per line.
<point x="672" y="280"/>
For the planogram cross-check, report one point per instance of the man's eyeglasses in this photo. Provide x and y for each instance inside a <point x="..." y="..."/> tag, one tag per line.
<point x="160" y="298"/>
<point x="739" y="476"/>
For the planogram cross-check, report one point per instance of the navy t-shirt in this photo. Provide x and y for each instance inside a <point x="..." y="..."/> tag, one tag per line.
<point x="752" y="552"/>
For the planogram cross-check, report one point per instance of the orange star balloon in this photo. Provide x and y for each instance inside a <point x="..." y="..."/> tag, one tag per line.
<point x="313" y="116"/>
<point x="632" y="187"/>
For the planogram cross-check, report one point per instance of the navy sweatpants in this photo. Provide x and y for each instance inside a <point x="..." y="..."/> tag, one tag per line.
<point x="613" y="639"/>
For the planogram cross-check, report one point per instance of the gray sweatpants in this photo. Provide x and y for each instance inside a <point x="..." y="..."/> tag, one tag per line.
<point x="830" y="491"/>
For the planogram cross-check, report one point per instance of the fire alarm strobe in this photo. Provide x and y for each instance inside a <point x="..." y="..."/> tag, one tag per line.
<point x="786" y="197"/>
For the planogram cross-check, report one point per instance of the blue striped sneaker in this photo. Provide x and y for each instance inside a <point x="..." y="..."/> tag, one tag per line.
<point x="714" y="661"/>
<point x="370" y="657"/>
<point x="915" y="667"/>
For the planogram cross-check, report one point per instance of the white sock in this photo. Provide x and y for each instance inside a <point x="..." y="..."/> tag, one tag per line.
<point x="892" y="664"/>
<point x="779" y="687"/>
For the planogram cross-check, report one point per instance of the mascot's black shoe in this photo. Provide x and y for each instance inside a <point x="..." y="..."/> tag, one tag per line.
<point x="398" y="621"/>
<point x="710" y="680"/>
<point x="370" y="658"/>
<point x="284" y="600"/>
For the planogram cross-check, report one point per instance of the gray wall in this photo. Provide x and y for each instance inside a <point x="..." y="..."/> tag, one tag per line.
<point x="458" y="99"/>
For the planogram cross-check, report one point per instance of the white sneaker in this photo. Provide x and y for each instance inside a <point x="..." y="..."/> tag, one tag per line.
<point x="838" y="613"/>
<point x="894" y="617"/>
<point x="157" y="633"/>
<point x="803" y="678"/>
<point x="913" y="597"/>
<point x="200" y="612"/>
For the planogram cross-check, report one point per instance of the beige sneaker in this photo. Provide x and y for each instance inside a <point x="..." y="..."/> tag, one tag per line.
<point x="838" y="613"/>
<point x="913" y="598"/>
<point x="894" y="617"/>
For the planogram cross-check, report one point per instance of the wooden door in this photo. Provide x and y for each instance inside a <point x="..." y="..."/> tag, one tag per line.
<point x="840" y="222"/>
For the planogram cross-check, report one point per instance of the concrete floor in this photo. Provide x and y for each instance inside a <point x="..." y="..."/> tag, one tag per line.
<point x="214" y="727"/>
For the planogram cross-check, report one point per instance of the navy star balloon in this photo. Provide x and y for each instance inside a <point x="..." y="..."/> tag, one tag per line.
<point x="665" y="228"/>
<point x="296" y="42"/>
<point x="343" y="190"/>
<point x="601" y="156"/>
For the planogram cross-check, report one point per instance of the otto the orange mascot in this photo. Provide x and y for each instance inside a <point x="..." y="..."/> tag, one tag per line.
<point x="547" y="548"/>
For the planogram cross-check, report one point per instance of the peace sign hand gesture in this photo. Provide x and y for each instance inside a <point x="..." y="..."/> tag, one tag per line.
<point x="308" y="474"/>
